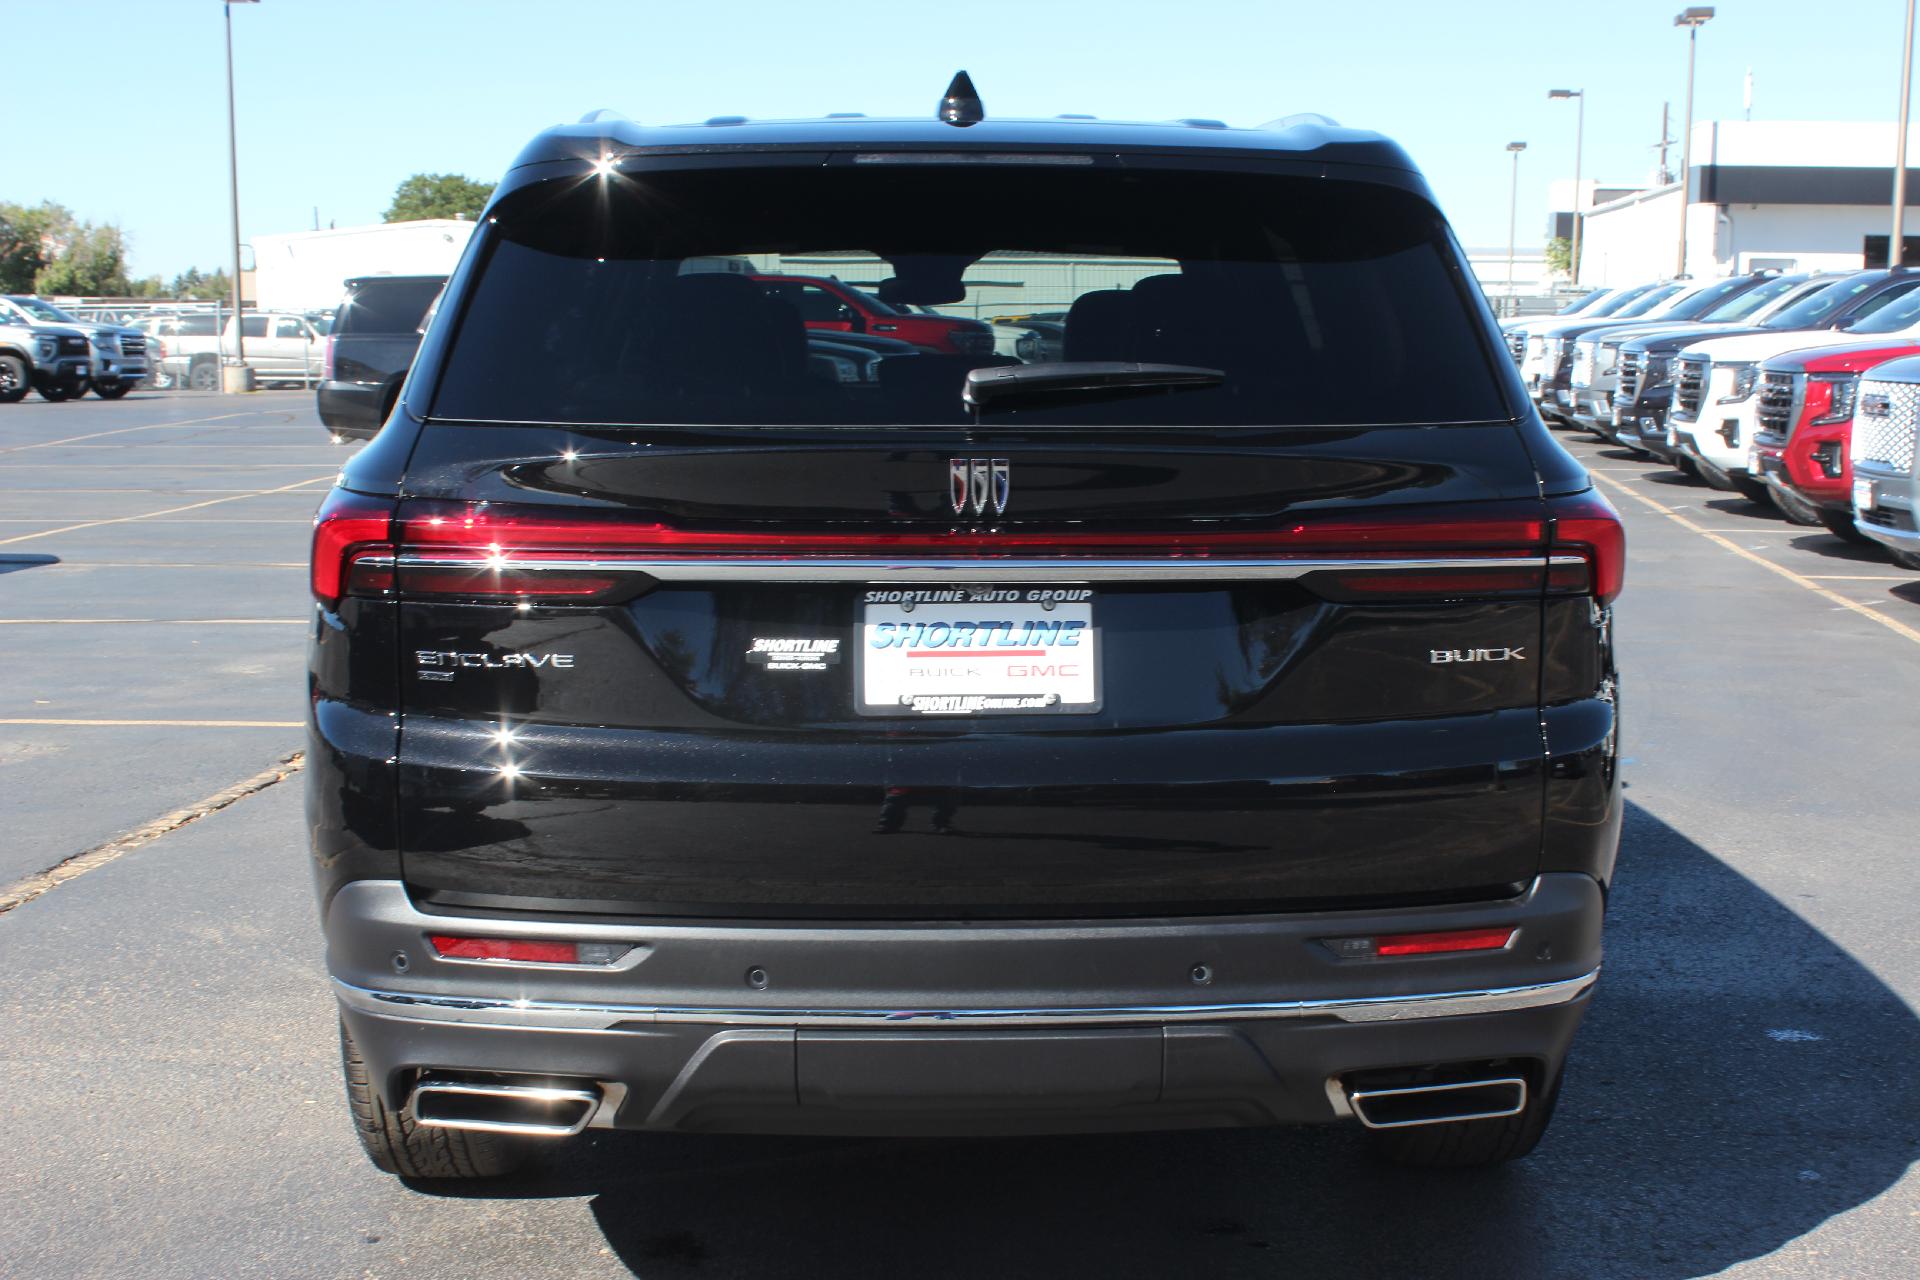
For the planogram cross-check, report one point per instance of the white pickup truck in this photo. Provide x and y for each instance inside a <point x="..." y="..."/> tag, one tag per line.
<point x="279" y="346"/>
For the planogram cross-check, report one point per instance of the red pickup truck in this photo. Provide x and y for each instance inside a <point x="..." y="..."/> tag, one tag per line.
<point x="828" y="304"/>
<point x="1805" y="414"/>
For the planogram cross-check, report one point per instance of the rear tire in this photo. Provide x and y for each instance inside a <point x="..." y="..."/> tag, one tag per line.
<point x="204" y="376"/>
<point x="13" y="379"/>
<point x="1470" y="1143"/>
<point x="112" y="390"/>
<point x="1754" y="491"/>
<point x="1840" y="525"/>
<point x="398" y="1146"/>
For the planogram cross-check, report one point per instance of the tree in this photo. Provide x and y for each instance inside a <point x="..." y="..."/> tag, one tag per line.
<point x="30" y="240"/>
<point x="194" y="283"/>
<point x="438" y="195"/>
<point x="1560" y="256"/>
<point x="94" y="263"/>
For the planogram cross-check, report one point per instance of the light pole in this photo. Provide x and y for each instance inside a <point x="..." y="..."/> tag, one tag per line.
<point x="1579" y="139"/>
<point x="1692" y="19"/>
<point x="1513" y="208"/>
<point x="1897" y="244"/>
<point x="238" y="380"/>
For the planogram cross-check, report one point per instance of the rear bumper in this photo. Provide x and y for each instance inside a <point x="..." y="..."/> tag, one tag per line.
<point x="954" y="1028"/>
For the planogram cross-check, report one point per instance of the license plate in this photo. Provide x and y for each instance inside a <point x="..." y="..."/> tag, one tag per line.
<point x="81" y="371"/>
<point x="1863" y="494"/>
<point x="1001" y="650"/>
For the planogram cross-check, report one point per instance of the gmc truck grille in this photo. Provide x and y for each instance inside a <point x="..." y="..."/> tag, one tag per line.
<point x="1582" y="364"/>
<point x="1691" y="387"/>
<point x="1630" y="362"/>
<point x="130" y="345"/>
<point x="74" y="346"/>
<point x="1775" y="406"/>
<point x="1883" y="427"/>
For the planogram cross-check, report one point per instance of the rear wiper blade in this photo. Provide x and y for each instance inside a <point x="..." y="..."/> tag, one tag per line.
<point x="1014" y="381"/>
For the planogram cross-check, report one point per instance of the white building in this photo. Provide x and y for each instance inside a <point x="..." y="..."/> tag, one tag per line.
<point x="1787" y="194"/>
<point x="304" y="270"/>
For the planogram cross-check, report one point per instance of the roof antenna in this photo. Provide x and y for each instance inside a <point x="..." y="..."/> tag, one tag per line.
<point x="962" y="105"/>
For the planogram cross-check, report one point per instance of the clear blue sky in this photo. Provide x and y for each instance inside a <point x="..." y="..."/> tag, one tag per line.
<point x="125" y="112"/>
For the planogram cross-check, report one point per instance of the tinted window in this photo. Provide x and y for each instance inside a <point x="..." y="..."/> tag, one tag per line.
<point x="1322" y="301"/>
<point x="1742" y="305"/>
<point x="253" y="326"/>
<point x="1816" y="310"/>
<point x="1892" y="311"/>
<point x="196" y="326"/>
<point x="1695" y="305"/>
<point x="386" y="307"/>
<point x="1620" y="301"/>
<point x="1588" y="303"/>
<point x="1653" y="301"/>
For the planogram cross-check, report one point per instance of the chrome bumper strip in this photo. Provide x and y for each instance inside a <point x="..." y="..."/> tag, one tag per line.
<point x="549" y="1015"/>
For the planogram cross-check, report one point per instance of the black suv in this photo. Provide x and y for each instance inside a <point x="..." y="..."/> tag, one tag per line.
<point x="1212" y="726"/>
<point x="370" y="348"/>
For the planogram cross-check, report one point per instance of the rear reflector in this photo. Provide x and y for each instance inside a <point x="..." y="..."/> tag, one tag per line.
<point x="525" y="951"/>
<point x="1421" y="944"/>
<point x="1427" y="944"/>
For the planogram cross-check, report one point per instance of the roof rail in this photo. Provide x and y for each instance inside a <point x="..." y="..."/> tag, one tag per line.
<point x="1302" y="117"/>
<point x="598" y="114"/>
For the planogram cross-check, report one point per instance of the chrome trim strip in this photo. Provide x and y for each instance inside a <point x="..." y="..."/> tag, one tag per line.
<point x="551" y="1015"/>
<point x="1023" y="570"/>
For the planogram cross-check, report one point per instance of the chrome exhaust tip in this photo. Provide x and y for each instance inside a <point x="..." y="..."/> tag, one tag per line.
<point x="1409" y="1105"/>
<point x="501" y="1106"/>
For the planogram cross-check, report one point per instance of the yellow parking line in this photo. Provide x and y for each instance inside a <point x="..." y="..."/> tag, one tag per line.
<point x="162" y="724"/>
<point x="119" y="431"/>
<point x="1799" y="580"/>
<point x="148" y="515"/>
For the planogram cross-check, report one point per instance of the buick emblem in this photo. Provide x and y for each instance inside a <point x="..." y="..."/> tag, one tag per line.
<point x="978" y="485"/>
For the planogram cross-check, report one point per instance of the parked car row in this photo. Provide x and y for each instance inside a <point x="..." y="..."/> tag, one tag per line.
<point x="1778" y="387"/>
<point x="44" y="349"/>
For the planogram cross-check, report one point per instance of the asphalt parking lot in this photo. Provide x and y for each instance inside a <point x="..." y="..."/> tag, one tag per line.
<point x="1742" y="1098"/>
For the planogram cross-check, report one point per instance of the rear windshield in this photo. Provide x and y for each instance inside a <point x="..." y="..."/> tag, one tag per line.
<point x="750" y="296"/>
<point x="385" y="307"/>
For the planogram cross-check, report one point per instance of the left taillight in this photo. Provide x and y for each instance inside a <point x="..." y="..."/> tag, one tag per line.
<point x="1586" y="525"/>
<point x="352" y="546"/>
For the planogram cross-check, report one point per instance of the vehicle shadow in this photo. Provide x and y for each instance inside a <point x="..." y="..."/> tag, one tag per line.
<point x="1833" y="547"/>
<point x="1740" y="1080"/>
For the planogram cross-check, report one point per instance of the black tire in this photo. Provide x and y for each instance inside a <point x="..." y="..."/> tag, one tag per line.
<point x="1796" y="508"/>
<point x="204" y="376"/>
<point x="1686" y="466"/>
<point x="1905" y="559"/>
<point x="13" y="379"/>
<point x="398" y="1146"/>
<point x="1754" y="491"/>
<point x="112" y="390"/>
<point x="1470" y="1143"/>
<point x="1840" y="525"/>
<point x="57" y="393"/>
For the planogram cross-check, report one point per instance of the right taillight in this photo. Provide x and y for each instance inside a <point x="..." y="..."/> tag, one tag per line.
<point x="352" y="546"/>
<point x="1586" y="525"/>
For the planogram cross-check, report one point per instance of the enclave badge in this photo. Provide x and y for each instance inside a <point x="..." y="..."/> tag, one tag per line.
<point x="978" y="485"/>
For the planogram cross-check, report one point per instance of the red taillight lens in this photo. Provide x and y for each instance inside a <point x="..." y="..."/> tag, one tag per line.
<point x="1585" y="524"/>
<point x="1430" y="944"/>
<point x="527" y="951"/>
<point x="351" y="537"/>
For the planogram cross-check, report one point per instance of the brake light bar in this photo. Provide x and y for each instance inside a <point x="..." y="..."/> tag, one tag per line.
<point x="424" y="548"/>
